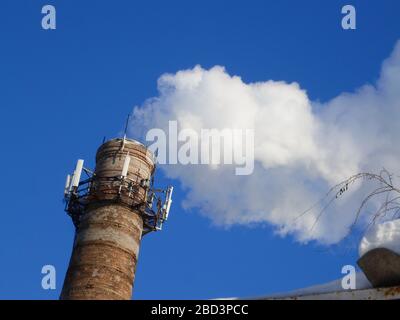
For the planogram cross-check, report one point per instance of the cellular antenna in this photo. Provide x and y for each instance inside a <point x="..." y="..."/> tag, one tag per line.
<point x="125" y="168"/>
<point x="67" y="185"/>
<point x="77" y="174"/>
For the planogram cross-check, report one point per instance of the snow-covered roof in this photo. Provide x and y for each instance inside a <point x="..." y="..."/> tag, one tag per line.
<point x="392" y="293"/>
<point x="380" y="277"/>
<point x="334" y="291"/>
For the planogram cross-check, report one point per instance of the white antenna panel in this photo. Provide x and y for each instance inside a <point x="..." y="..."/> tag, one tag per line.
<point x="170" y="191"/>
<point x="167" y="209"/>
<point x="67" y="184"/>
<point x="126" y="166"/>
<point x="168" y="202"/>
<point x="77" y="173"/>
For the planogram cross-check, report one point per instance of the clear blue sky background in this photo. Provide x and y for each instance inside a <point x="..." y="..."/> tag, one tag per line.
<point x="62" y="91"/>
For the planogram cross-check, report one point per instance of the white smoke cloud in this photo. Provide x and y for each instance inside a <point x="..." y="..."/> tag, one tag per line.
<point x="302" y="148"/>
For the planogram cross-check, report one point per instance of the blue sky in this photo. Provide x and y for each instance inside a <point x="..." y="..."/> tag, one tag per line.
<point x="62" y="91"/>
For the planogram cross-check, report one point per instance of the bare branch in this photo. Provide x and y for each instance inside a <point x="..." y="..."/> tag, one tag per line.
<point x="385" y="186"/>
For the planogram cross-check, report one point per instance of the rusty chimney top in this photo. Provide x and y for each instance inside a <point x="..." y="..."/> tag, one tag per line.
<point x="111" y="208"/>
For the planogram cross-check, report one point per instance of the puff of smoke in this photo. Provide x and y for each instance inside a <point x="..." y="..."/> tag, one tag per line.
<point x="299" y="152"/>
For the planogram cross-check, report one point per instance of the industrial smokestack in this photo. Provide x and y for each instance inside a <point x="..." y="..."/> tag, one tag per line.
<point x="111" y="210"/>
